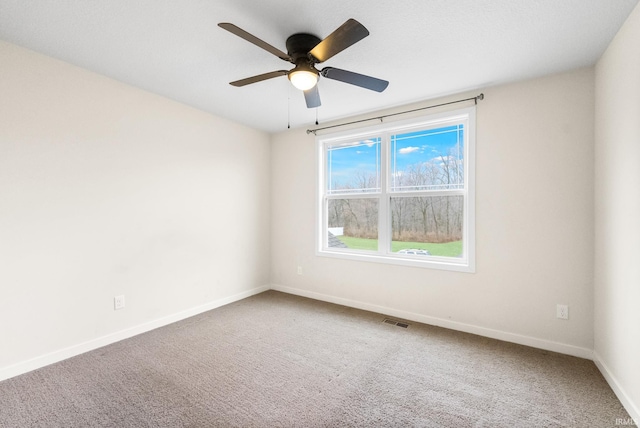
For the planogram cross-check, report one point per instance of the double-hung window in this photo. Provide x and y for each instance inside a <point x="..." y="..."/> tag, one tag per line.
<point x="400" y="193"/>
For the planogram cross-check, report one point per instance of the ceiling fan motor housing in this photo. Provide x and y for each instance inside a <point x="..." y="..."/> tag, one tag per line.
<point x="299" y="45"/>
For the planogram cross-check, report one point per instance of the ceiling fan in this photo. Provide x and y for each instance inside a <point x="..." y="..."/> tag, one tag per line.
<point x="305" y="51"/>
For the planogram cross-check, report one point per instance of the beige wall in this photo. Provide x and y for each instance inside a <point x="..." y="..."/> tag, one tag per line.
<point x="617" y="214"/>
<point x="107" y="190"/>
<point x="534" y="225"/>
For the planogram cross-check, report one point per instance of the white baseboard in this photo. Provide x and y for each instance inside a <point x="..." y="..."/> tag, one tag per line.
<point x="90" y="345"/>
<point x="548" y="345"/>
<point x="628" y="404"/>
<point x="63" y="354"/>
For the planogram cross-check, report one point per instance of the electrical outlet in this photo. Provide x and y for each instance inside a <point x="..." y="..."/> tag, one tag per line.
<point x="562" y="312"/>
<point x="118" y="302"/>
<point x="299" y="270"/>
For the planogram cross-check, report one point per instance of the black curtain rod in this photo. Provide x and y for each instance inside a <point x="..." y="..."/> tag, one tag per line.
<point x="380" y="118"/>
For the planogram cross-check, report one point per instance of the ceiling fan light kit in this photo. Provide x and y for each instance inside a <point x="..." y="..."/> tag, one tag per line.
<point x="303" y="77"/>
<point x="305" y="51"/>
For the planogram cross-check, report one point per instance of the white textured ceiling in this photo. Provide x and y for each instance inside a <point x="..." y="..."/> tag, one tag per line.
<point x="424" y="48"/>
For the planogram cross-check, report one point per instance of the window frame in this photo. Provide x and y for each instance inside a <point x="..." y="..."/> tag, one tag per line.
<point x="384" y="131"/>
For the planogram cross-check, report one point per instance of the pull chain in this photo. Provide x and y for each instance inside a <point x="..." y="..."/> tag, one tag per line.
<point x="289" y="109"/>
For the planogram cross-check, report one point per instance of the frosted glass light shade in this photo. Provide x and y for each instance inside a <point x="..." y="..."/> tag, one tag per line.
<point x="303" y="79"/>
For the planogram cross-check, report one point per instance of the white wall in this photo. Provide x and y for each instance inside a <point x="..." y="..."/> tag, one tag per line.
<point x="617" y="214"/>
<point x="534" y="224"/>
<point x="107" y="190"/>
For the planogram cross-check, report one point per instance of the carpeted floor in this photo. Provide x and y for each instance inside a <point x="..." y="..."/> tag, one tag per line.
<point x="276" y="360"/>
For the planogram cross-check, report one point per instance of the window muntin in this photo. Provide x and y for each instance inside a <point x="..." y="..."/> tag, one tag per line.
<point x="400" y="193"/>
<point x="354" y="166"/>
<point x="428" y="159"/>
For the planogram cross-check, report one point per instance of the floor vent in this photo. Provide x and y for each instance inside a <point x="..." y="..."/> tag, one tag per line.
<point x="396" y="323"/>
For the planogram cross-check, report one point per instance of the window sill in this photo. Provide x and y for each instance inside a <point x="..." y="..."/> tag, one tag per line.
<point x="441" y="263"/>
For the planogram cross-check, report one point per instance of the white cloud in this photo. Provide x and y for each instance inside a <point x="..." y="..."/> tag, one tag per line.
<point x="369" y="143"/>
<point x="407" y="150"/>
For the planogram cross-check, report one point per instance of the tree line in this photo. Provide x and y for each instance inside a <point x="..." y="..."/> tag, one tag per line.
<point x="414" y="218"/>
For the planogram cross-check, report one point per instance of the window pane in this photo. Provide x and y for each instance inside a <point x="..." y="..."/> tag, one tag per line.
<point x="431" y="159"/>
<point x="427" y="225"/>
<point x="353" y="223"/>
<point x="354" y="167"/>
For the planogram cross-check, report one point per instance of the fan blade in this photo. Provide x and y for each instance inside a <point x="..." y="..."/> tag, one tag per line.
<point x="346" y="35"/>
<point x="259" y="78"/>
<point x="253" y="39"/>
<point x="312" y="97"/>
<point x="361" y="80"/>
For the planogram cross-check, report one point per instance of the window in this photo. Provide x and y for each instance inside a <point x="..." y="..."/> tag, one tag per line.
<point x="400" y="193"/>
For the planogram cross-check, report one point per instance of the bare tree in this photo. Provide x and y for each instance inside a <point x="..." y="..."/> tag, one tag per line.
<point x="413" y="218"/>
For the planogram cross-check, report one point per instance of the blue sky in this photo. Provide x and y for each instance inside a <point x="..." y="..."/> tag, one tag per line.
<point x="407" y="149"/>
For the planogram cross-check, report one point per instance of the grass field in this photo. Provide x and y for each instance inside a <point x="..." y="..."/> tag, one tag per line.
<point x="449" y="249"/>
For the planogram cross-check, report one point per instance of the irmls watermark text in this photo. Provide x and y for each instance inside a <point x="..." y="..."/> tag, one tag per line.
<point x="626" y="422"/>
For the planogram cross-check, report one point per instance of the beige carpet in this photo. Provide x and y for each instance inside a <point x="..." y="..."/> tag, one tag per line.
<point x="279" y="360"/>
